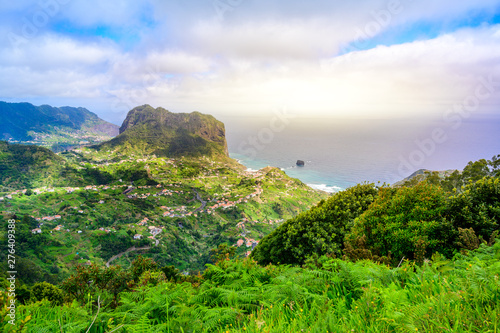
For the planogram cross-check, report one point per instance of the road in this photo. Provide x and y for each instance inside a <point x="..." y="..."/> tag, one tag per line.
<point x="133" y="248"/>
<point x="200" y="199"/>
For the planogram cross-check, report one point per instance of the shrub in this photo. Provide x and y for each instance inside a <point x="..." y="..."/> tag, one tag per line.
<point x="45" y="290"/>
<point x="402" y="222"/>
<point x="319" y="231"/>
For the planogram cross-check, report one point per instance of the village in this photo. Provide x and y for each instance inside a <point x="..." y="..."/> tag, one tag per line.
<point x="178" y="213"/>
<point x="151" y="226"/>
<point x="62" y="136"/>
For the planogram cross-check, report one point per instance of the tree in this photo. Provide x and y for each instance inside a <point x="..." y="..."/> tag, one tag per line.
<point x="476" y="170"/>
<point x="28" y="271"/>
<point x="495" y="165"/>
<point x="477" y="207"/>
<point x="320" y="230"/>
<point x="92" y="279"/>
<point x="45" y="290"/>
<point x="453" y="181"/>
<point x="140" y="265"/>
<point x="222" y="252"/>
<point x="404" y="222"/>
<point x="171" y="273"/>
<point x="433" y="177"/>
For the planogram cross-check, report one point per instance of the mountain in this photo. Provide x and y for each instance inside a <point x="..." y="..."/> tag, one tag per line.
<point x="20" y="165"/>
<point x="423" y="174"/>
<point x="32" y="166"/>
<point x="163" y="133"/>
<point x="56" y="128"/>
<point x="164" y="185"/>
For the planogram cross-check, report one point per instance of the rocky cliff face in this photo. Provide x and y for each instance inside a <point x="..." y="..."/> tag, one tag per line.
<point x="165" y="133"/>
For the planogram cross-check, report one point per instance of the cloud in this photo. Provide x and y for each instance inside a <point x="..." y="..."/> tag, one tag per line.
<point x="55" y="66"/>
<point x="249" y="57"/>
<point x="51" y="51"/>
<point x="418" y="78"/>
<point x="177" y="62"/>
<point x="269" y="40"/>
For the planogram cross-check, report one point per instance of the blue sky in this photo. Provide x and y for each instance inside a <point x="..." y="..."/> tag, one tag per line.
<point x="246" y="57"/>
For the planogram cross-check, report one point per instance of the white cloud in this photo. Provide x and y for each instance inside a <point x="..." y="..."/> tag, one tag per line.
<point x="258" y="55"/>
<point x="270" y="40"/>
<point x="55" y="66"/>
<point x="408" y="79"/>
<point x="177" y="62"/>
<point x="423" y="76"/>
<point x="49" y="51"/>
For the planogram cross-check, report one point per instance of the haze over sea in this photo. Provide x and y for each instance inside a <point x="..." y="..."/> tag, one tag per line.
<point x="340" y="153"/>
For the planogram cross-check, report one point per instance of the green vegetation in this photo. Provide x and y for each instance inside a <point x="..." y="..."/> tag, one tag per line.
<point x="29" y="166"/>
<point x="318" y="231"/>
<point x="415" y="258"/>
<point x="153" y="233"/>
<point x="400" y="223"/>
<point x="454" y="179"/>
<point x="163" y="133"/>
<point x="25" y="166"/>
<point x="390" y="224"/>
<point x="459" y="295"/>
<point x="55" y="128"/>
<point x="110" y="202"/>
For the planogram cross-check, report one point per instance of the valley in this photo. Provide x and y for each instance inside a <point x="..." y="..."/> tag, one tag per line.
<point x="106" y="202"/>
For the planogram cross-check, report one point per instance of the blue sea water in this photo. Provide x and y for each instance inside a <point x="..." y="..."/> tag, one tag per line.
<point x="340" y="153"/>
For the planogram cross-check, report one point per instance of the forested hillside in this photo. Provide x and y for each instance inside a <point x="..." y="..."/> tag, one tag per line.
<point x="413" y="258"/>
<point x="55" y="128"/>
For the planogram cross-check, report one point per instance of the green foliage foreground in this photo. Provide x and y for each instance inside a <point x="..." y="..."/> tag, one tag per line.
<point x="388" y="224"/>
<point x="459" y="295"/>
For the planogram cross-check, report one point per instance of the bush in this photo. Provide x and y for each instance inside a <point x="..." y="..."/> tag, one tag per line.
<point x="404" y="222"/>
<point x="477" y="207"/>
<point x="44" y="290"/>
<point x="319" y="231"/>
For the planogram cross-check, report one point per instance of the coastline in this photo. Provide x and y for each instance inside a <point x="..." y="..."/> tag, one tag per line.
<point x="309" y="177"/>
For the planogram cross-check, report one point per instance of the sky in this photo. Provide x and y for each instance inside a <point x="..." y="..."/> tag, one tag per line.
<point x="240" y="58"/>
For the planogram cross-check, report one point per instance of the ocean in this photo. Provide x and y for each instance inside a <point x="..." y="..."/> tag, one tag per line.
<point x="340" y="153"/>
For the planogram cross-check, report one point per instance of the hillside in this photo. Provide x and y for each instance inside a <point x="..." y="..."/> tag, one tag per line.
<point x="51" y="127"/>
<point x="24" y="167"/>
<point x="31" y="166"/>
<point x="415" y="258"/>
<point x="168" y="134"/>
<point x="137" y="241"/>
<point x="100" y="204"/>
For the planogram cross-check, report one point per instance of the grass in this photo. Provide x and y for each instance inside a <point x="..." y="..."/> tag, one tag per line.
<point x="459" y="295"/>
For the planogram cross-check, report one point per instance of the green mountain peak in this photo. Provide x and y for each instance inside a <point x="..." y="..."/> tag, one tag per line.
<point x="164" y="133"/>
